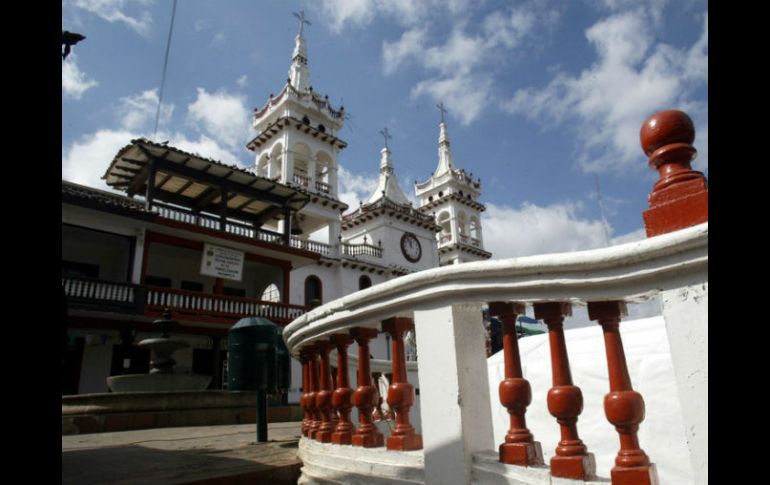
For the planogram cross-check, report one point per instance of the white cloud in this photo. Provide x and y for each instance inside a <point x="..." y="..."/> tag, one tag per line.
<point x="409" y="46"/>
<point x="242" y="81"/>
<point x="86" y="161"/>
<point x="632" y="78"/>
<point x="222" y="116"/>
<point x="530" y="229"/>
<point x="465" y="96"/>
<point x="116" y="11"/>
<point x="354" y="188"/>
<point x="138" y="112"/>
<point x="219" y="39"/>
<point x="73" y="81"/>
<point x="360" y="13"/>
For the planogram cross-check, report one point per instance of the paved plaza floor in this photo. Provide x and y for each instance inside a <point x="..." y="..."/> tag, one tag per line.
<point x="200" y="455"/>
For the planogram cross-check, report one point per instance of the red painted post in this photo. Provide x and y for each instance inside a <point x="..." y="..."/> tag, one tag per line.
<point x="323" y="398"/>
<point x="365" y="395"/>
<point x="400" y="392"/>
<point x="520" y="447"/>
<point x="623" y="406"/>
<point x="565" y="401"/>
<point x="315" y="421"/>
<point x="342" y="399"/>
<point x="679" y="198"/>
<point x="303" y="400"/>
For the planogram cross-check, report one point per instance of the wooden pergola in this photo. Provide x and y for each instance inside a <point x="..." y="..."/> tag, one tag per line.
<point x="202" y="185"/>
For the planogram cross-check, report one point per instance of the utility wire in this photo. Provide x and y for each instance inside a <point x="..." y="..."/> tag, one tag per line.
<point x="165" y="65"/>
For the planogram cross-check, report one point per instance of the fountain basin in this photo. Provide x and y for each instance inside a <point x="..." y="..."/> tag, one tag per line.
<point x="158" y="382"/>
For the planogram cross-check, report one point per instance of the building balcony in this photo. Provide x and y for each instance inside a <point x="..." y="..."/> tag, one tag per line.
<point x="455" y="444"/>
<point x="114" y="297"/>
<point x="362" y="250"/>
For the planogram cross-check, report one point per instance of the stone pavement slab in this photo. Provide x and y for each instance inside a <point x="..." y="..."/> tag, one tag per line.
<point x="204" y="454"/>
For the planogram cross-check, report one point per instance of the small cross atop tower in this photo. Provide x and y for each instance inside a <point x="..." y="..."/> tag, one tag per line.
<point x="302" y="21"/>
<point x="441" y="108"/>
<point x="385" y="134"/>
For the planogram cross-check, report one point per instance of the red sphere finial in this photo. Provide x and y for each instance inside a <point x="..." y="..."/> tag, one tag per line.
<point x="666" y="128"/>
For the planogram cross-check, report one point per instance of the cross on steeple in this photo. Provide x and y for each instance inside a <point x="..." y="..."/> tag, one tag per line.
<point x="385" y="134"/>
<point x="302" y="21"/>
<point x="441" y="108"/>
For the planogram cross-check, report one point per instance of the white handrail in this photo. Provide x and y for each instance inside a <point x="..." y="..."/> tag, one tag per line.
<point x="632" y="272"/>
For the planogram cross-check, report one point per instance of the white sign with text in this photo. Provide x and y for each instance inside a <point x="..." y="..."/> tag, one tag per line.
<point x="222" y="262"/>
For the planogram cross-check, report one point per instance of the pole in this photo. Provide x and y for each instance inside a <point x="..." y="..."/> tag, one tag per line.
<point x="261" y="416"/>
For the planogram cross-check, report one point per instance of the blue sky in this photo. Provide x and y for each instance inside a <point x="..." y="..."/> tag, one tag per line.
<point x="542" y="95"/>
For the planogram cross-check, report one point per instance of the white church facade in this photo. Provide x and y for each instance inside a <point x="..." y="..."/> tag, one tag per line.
<point x="297" y="143"/>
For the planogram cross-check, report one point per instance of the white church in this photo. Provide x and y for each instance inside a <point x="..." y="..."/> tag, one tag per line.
<point x="297" y="144"/>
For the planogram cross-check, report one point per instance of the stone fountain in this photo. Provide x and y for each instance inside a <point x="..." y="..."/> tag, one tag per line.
<point x="161" y="376"/>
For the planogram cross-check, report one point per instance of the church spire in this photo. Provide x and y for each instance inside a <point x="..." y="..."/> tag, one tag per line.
<point x="388" y="183"/>
<point x="299" y="74"/>
<point x="444" y="152"/>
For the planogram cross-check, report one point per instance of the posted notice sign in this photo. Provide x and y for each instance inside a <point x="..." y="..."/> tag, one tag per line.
<point x="222" y="262"/>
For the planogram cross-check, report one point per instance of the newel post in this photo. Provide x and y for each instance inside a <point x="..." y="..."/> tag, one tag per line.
<point x="623" y="406"/>
<point x="365" y="395"/>
<point x="680" y="198"/>
<point x="400" y="392"/>
<point x="342" y="399"/>
<point x="520" y="447"/>
<point x="565" y="400"/>
<point x="323" y="398"/>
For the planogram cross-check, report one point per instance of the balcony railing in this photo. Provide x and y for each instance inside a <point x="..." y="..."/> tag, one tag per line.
<point x="362" y="250"/>
<point x="182" y="214"/>
<point x="300" y="179"/>
<point x="206" y="306"/>
<point x="88" y="292"/>
<point x="151" y="301"/>
<point x="322" y="187"/>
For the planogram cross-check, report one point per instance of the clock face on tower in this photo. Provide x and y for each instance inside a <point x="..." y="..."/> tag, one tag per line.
<point x="411" y="248"/>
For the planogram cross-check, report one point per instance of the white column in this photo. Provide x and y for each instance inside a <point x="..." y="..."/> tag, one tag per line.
<point x="454" y="390"/>
<point x="334" y="240"/>
<point x="333" y="179"/>
<point x="288" y="166"/>
<point x="136" y="270"/>
<point x="685" y="311"/>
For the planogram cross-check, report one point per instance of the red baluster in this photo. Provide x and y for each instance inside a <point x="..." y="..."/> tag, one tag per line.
<point x="342" y="399"/>
<point x="323" y="398"/>
<point x="365" y="395"/>
<point x="519" y="447"/>
<point x="315" y="418"/>
<point x="680" y="198"/>
<point x="303" y="400"/>
<point x="565" y="401"/>
<point x="623" y="406"/>
<point x="400" y="392"/>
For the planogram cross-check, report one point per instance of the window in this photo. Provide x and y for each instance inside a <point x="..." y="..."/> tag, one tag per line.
<point x="79" y="270"/>
<point x="313" y="291"/>
<point x="192" y="286"/>
<point x="364" y="282"/>
<point x="271" y="293"/>
<point x="229" y="291"/>
<point x="150" y="280"/>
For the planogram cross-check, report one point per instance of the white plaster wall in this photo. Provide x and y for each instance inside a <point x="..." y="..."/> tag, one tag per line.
<point x="112" y="253"/>
<point x="330" y="279"/>
<point x="686" y="314"/>
<point x="97" y="359"/>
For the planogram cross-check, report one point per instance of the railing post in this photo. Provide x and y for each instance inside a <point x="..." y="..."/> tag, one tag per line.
<point x="365" y="396"/>
<point x="680" y="198"/>
<point x="342" y="397"/>
<point x="400" y="392"/>
<point x="519" y="447"/>
<point x="565" y="401"/>
<point x="315" y="421"/>
<point x="623" y="406"/>
<point x="303" y="400"/>
<point x="455" y="410"/>
<point x="323" y="398"/>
